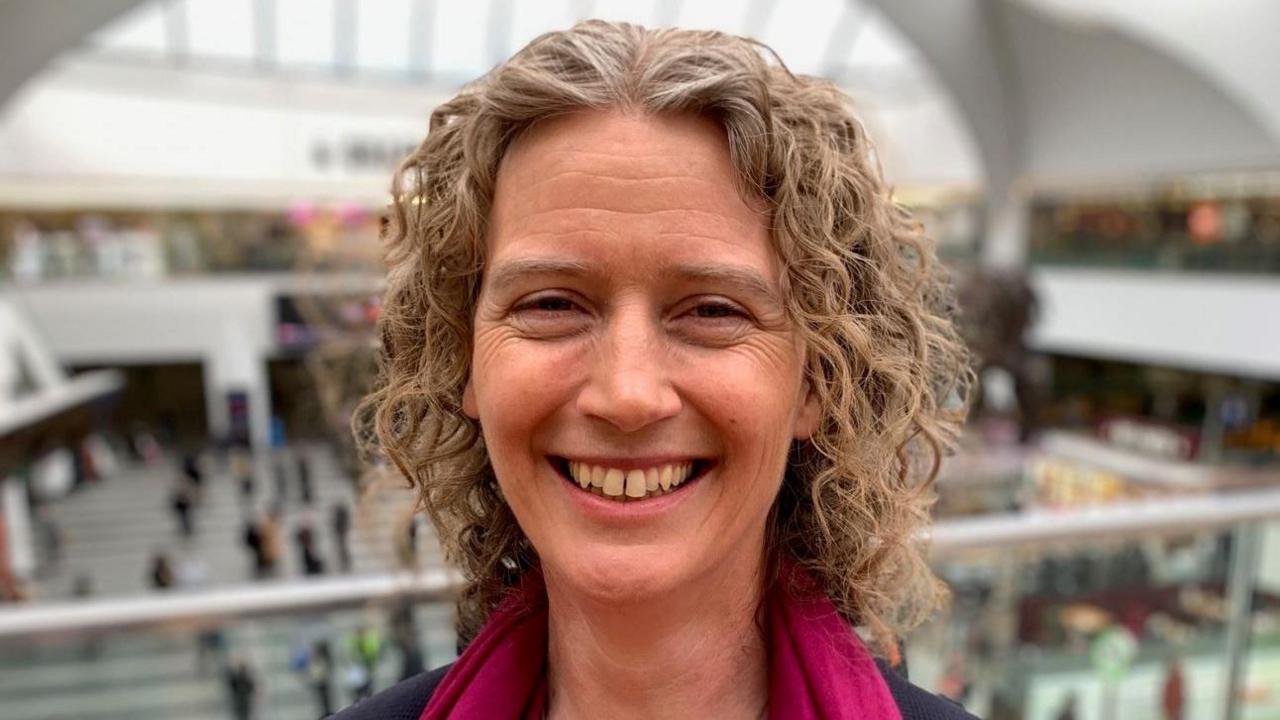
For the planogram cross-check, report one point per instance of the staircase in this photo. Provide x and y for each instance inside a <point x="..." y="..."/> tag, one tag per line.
<point x="110" y="531"/>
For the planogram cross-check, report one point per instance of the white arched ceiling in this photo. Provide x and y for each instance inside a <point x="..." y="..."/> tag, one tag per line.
<point x="1054" y="101"/>
<point x="1101" y="103"/>
<point x="1231" y="42"/>
<point x="958" y="42"/>
<point x="921" y="135"/>
<point x="33" y="32"/>
<point x="957" y="92"/>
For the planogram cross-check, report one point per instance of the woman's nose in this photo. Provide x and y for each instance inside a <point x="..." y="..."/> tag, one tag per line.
<point x="629" y="386"/>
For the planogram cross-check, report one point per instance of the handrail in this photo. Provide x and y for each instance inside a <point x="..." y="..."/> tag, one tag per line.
<point x="1164" y="516"/>
<point x="1160" y="516"/>
<point x="215" y="605"/>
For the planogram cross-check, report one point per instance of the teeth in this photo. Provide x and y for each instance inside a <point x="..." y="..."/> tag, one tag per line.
<point x="678" y="474"/>
<point x="634" y="484"/>
<point x="613" y="482"/>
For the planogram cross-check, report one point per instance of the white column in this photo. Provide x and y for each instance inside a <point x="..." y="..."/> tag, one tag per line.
<point x="1005" y="244"/>
<point x="235" y="364"/>
<point x="17" y="527"/>
<point x="215" y="406"/>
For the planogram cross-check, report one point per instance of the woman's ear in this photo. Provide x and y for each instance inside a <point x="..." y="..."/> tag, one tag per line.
<point x="809" y="416"/>
<point x="469" y="407"/>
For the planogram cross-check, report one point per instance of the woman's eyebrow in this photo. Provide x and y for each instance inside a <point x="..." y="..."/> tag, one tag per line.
<point x="743" y="278"/>
<point x="509" y="271"/>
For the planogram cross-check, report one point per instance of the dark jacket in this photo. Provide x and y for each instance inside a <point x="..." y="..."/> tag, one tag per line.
<point x="406" y="700"/>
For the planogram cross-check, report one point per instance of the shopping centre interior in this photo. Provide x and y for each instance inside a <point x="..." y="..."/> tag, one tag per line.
<point x="191" y="194"/>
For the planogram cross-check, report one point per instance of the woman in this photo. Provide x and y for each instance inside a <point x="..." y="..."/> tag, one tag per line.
<point x="672" y="375"/>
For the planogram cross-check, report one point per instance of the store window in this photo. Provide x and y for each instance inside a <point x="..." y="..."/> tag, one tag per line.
<point x="1208" y="231"/>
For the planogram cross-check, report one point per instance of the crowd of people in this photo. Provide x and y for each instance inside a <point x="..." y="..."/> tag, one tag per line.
<point x="264" y="536"/>
<point x="334" y="677"/>
<point x="337" y="669"/>
<point x="282" y="513"/>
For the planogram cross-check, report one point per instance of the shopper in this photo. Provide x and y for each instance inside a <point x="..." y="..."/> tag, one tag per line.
<point x="272" y="541"/>
<point x="404" y="632"/>
<point x="955" y="683"/>
<point x="262" y="538"/>
<point x="192" y="570"/>
<point x="407" y="547"/>
<point x="253" y="541"/>
<point x="1173" y="695"/>
<point x="1068" y="709"/>
<point x="365" y="646"/>
<point x="412" y="661"/>
<point x="143" y="445"/>
<point x="280" y="474"/>
<point x="358" y="680"/>
<point x="91" y="641"/>
<point x="191" y="469"/>
<point x="242" y="687"/>
<point x="82" y="586"/>
<point x="49" y="537"/>
<point x="242" y="472"/>
<point x="182" y="502"/>
<point x="161" y="572"/>
<point x="320" y="675"/>
<point x="211" y="649"/>
<point x="340" y="523"/>
<point x="312" y="563"/>
<point x="306" y="492"/>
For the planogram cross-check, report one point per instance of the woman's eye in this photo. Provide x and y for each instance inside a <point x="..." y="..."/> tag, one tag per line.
<point x="714" y="310"/>
<point x="713" y="323"/>
<point x="548" y="304"/>
<point x="549" y="316"/>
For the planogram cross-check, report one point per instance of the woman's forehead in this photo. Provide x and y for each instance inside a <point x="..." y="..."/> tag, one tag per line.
<point x="625" y="134"/>
<point x="603" y="181"/>
<point x="606" y="157"/>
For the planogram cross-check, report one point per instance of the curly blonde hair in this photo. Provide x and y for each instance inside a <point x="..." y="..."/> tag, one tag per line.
<point x="862" y="285"/>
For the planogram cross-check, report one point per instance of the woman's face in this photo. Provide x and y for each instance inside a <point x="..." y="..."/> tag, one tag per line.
<point x="631" y="337"/>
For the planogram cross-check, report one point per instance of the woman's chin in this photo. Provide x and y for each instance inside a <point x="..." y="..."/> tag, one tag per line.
<point x="613" y="576"/>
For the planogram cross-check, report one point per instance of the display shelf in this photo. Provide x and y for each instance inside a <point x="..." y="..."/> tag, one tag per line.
<point x="1132" y="465"/>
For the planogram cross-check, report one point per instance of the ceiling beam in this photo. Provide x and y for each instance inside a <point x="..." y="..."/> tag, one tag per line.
<point x="961" y="44"/>
<point x="33" y="32"/>
<point x="844" y="36"/>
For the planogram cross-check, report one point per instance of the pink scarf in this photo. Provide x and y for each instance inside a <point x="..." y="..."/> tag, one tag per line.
<point x="818" y="668"/>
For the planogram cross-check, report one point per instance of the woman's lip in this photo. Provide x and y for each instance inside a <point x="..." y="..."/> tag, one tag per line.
<point x="632" y="463"/>
<point x="626" y="513"/>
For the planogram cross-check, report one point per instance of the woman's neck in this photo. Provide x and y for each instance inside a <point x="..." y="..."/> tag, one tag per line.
<point x="697" y="653"/>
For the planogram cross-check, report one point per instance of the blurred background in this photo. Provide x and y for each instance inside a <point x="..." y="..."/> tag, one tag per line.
<point x="190" y="194"/>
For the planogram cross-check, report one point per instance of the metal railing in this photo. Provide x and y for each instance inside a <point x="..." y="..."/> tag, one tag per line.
<point x="1162" y="517"/>
<point x="210" y="607"/>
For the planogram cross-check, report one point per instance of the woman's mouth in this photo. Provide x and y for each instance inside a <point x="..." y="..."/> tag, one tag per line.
<point x="630" y="484"/>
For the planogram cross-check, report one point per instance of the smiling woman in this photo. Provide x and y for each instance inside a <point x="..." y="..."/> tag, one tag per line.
<point x="672" y="376"/>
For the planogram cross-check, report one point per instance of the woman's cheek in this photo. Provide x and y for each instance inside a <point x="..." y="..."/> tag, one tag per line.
<point x="518" y="375"/>
<point x="756" y="376"/>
